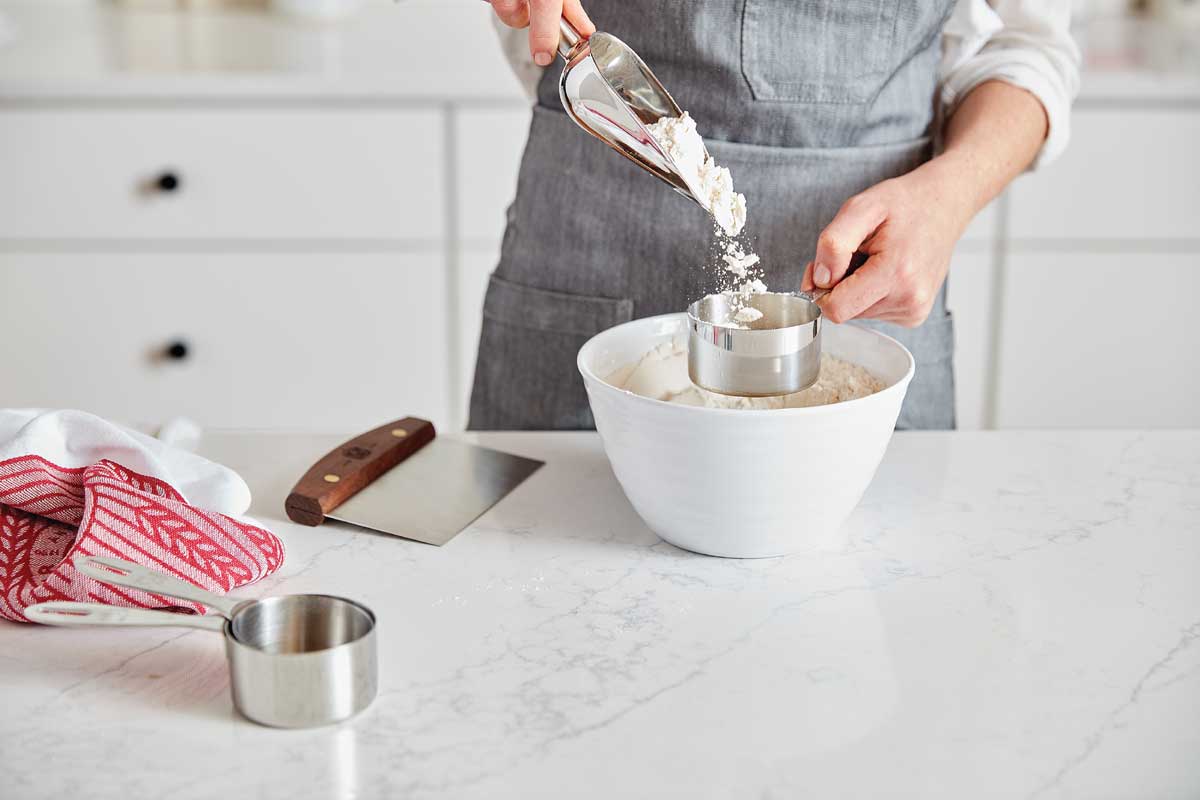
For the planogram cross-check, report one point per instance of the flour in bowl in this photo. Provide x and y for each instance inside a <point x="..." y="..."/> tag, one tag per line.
<point x="662" y="374"/>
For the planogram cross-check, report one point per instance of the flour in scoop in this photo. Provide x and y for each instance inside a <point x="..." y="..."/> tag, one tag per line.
<point x="710" y="183"/>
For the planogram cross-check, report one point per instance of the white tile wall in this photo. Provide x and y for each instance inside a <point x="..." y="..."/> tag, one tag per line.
<point x="1129" y="174"/>
<point x="1084" y="347"/>
<point x="490" y="143"/>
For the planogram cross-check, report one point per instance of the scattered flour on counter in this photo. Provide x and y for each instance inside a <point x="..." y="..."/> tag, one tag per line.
<point x="662" y="374"/>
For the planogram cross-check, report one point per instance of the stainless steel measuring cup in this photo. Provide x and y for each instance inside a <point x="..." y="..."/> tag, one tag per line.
<point x="777" y="354"/>
<point x="611" y="93"/>
<point x="295" y="661"/>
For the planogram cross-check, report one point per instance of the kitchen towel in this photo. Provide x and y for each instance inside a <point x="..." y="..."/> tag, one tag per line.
<point x="73" y="483"/>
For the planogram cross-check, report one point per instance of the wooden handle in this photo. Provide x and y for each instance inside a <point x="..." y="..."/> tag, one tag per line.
<point x="343" y="472"/>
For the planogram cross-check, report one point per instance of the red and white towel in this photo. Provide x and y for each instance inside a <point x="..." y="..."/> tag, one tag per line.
<point x="69" y="485"/>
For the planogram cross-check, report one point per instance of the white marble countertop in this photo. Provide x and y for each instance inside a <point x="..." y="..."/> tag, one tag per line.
<point x="403" y="52"/>
<point x="1014" y="615"/>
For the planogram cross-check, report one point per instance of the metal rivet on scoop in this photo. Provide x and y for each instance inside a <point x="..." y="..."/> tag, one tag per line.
<point x="332" y="478"/>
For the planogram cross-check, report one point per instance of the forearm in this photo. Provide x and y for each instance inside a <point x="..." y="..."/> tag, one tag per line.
<point x="994" y="135"/>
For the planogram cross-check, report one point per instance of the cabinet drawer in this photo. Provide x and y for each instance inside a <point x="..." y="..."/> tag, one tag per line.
<point x="1125" y="175"/>
<point x="1080" y="349"/>
<point x="280" y="174"/>
<point x="273" y="341"/>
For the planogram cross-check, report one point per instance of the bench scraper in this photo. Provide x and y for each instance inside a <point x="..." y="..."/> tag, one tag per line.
<point x="403" y="480"/>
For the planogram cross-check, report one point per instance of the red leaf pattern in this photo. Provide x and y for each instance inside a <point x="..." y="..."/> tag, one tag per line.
<point x="48" y="514"/>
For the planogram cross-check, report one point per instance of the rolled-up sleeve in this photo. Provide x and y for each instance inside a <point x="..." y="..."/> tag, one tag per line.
<point x="1026" y="43"/>
<point x="515" y="45"/>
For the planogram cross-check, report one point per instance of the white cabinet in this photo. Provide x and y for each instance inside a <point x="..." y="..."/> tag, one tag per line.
<point x="1128" y="174"/>
<point x="299" y="254"/>
<point x="489" y="144"/>
<point x="329" y="213"/>
<point x="1101" y="262"/>
<point x="327" y="341"/>
<point x="1086" y="344"/>
<point x="476" y="266"/>
<point x="235" y="173"/>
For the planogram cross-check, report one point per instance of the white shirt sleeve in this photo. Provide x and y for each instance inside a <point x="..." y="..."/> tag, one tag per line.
<point x="1026" y="43"/>
<point x="514" y="43"/>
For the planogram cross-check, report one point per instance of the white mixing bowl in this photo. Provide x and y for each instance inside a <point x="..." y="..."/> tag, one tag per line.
<point x="743" y="484"/>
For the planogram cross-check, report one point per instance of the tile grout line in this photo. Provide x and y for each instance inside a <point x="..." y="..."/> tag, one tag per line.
<point x="453" y="258"/>
<point x="1000" y="252"/>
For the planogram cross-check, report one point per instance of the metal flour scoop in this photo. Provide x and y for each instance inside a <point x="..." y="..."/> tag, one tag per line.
<point x="611" y="93"/>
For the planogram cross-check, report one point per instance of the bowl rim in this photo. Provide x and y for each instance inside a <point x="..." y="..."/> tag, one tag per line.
<point x="590" y="378"/>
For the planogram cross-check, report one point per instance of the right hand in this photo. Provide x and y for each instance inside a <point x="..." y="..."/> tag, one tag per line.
<point x="541" y="17"/>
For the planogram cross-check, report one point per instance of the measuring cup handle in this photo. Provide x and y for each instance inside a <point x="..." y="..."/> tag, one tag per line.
<point x="135" y="576"/>
<point x="67" y="614"/>
<point x="857" y="260"/>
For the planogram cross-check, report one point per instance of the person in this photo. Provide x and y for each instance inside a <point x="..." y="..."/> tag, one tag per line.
<point x="880" y="126"/>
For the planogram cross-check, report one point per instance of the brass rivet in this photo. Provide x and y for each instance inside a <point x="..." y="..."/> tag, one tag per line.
<point x="399" y="433"/>
<point x="332" y="478"/>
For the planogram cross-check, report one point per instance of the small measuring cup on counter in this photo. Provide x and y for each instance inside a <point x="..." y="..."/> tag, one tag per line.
<point x="779" y="353"/>
<point x="295" y="661"/>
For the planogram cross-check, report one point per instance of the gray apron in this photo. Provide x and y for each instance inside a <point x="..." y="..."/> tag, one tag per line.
<point x="806" y="101"/>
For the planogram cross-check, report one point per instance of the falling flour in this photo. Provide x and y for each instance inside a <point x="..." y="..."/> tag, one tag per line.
<point x="712" y="185"/>
<point x="662" y="374"/>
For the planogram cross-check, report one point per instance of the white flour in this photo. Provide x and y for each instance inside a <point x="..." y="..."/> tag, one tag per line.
<point x="737" y="261"/>
<point x="662" y="374"/>
<point x="747" y="314"/>
<point x="712" y="185"/>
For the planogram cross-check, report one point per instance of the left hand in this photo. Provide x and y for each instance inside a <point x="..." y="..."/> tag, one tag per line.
<point x="908" y="226"/>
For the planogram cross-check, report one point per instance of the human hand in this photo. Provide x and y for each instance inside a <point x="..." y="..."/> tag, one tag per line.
<point x="908" y="227"/>
<point x="541" y="17"/>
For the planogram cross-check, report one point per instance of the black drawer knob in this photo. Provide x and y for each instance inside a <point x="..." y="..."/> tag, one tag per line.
<point x="168" y="182"/>
<point x="177" y="350"/>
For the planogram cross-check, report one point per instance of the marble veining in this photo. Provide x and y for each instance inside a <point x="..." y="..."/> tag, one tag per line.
<point x="1009" y="615"/>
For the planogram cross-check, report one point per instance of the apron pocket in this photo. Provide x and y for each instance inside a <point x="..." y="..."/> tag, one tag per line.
<point x="525" y="375"/>
<point x="817" y="51"/>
